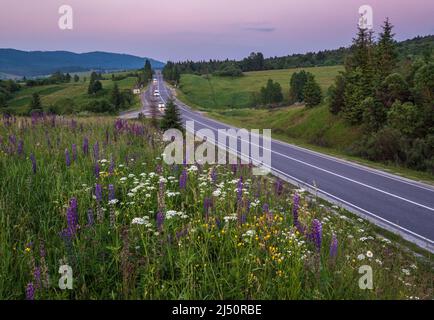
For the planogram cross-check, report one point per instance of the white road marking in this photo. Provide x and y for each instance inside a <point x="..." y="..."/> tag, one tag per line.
<point x="332" y="173"/>
<point x="335" y="174"/>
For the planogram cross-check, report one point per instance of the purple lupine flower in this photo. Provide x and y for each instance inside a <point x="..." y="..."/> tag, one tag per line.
<point x="37" y="277"/>
<point x="111" y="192"/>
<point x="30" y="291"/>
<point x="159" y="169"/>
<point x="12" y="139"/>
<point x="98" y="193"/>
<point x="214" y="175"/>
<point x="90" y="219"/>
<point x="207" y="204"/>
<point x="72" y="218"/>
<point x="85" y="146"/>
<point x="334" y="247"/>
<point x="242" y="219"/>
<point x="67" y="158"/>
<point x="183" y="179"/>
<point x="295" y="206"/>
<point x="96" y="151"/>
<point x="160" y="220"/>
<point x="20" y="149"/>
<point x="316" y="233"/>
<point x="33" y="159"/>
<point x="278" y="187"/>
<point x="266" y="208"/>
<point x="74" y="152"/>
<point x="112" y="166"/>
<point x="96" y="170"/>
<point x="218" y="223"/>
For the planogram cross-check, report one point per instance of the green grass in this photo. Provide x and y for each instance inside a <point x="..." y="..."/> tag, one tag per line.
<point x="234" y="252"/>
<point x="225" y="92"/>
<point x="66" y="93"/>
<point x="228" y="100"/>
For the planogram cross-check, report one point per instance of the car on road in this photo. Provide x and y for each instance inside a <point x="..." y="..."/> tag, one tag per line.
<point x="162" y="106"/>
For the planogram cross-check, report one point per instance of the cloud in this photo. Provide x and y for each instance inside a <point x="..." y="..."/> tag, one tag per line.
<point x="260" y="29"/>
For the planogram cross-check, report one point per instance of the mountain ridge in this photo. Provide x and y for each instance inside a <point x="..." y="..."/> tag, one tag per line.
<point x="21" y="63"/>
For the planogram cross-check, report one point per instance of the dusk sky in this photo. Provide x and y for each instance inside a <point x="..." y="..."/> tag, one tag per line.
<point x="202" y="29"/>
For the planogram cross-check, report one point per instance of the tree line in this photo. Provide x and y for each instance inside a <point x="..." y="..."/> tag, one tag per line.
<point x="392" y="100"/>
<point x="418" y="46"/>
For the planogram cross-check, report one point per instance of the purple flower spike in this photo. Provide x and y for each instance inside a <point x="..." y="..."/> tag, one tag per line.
<point x="30" y="291"/>
<point x="316" y="234"/>
<point x="112" y="166"/>
<point x="296" y="204"/>
<point x="207" y="204"/>
<point x="67" y="158"/>
<point x="160" y="220"/>
<point x="111" y="195"/>
<point x="33" y="159"/>
<point x="96" y="170"/>
<point x="334" y="247"/>
<point x="183" y="179"/>
<point x="214" y="175"/>
<point x="20" y="147"/>
<point x="98" y="193"/>
<point x="85" y="146"/>
<point x="265" y="208"/>
<point x="96" y="151"/>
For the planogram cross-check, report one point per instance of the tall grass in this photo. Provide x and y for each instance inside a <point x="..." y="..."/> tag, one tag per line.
<point x="173" y="232"/>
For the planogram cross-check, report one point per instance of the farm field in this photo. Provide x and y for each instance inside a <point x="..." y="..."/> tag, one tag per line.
<point x="94" y="194"/>
<point x="71" y="95"/>
<point x="215" y="93"/>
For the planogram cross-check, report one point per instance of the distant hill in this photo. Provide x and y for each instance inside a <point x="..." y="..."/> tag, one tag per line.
<point x="35" y="63"/>
<point x="417" y="46"/>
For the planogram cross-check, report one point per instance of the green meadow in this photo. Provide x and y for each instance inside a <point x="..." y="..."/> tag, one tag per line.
<point x="69" y="95"/>
<point x="215" y="92"/>
<point x="94" y="194"/>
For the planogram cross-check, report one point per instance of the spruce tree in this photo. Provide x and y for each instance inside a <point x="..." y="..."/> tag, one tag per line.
<point x="336" y="95"/>
<point x="312" y="92"/>
<point x="387" y="55"/>
<point x="297" y="83"/>
<point x="35" y="103"/>
<point x="116" y="97"/>
<point x="172" y="117"/>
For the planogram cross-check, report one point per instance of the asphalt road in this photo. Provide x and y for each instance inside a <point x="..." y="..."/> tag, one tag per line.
<point x="397" y="204"/>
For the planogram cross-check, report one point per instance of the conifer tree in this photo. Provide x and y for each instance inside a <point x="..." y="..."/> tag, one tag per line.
<point x="312" y="92"/>
<point x="172" y="117"/>
<point x="386" y="51"/>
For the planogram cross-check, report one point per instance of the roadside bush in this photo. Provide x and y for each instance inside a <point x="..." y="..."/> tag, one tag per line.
<point x="384" y="145"/>
<point x="100" y="106"/>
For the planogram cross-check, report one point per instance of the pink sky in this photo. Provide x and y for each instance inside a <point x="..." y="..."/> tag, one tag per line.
<point x="202" y="29"/>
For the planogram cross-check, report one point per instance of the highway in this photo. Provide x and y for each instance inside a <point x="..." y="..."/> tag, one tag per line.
<point x="400" y="205"/>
